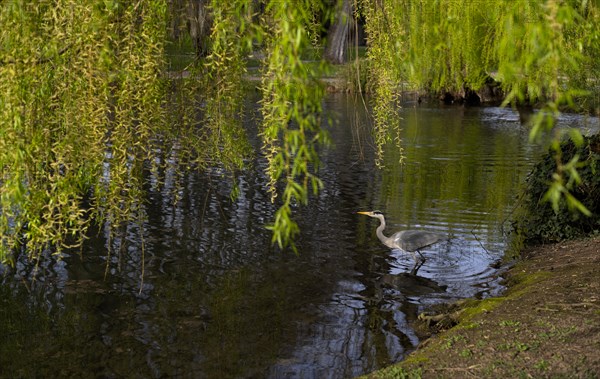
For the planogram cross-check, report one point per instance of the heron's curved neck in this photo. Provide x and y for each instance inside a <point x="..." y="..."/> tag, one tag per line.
<point x="380" y="230"/>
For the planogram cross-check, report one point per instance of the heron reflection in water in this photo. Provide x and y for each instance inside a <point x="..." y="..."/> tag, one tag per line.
<point x="410" y="241"/>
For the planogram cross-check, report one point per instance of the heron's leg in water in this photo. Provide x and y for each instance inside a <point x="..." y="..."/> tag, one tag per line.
<point x="416" y="267"/>
<point x="414" y="257"/>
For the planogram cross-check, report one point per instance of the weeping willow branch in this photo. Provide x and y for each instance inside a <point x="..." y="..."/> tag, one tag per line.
<point x="544" y="52"/>
<point x="291" y="109"/>
<point x="385" y="35"/>
<point x="224" y="69"/>
<point x="39" y="60"/>
<point x="76" y="129"/>
<point x="84" y="111"/>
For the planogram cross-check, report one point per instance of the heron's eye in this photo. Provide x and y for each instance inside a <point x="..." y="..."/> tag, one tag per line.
<point x="377" y="212"/>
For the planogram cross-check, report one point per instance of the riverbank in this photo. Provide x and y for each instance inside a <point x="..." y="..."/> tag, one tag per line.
<point x="547" y="324"/>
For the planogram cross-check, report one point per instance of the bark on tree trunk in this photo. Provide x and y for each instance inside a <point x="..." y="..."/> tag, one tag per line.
<point x="336" y="50"/>
<point x="199" y="23"/>
<point x="177" y="12"/>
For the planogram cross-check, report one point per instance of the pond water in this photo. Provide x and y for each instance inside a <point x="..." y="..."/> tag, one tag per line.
<point x="218" y="301"/>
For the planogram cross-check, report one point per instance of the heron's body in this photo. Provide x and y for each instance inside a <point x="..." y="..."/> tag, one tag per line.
<point x="410" y="241"/>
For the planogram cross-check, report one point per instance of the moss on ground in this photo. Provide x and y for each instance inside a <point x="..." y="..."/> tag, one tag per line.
<point x="547" y="325"/>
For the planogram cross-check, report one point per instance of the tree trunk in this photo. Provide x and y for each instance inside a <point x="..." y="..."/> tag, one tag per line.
<point x="176" y="13"/>
<point x="199" y="23"/>
<point x="336" y="50"/>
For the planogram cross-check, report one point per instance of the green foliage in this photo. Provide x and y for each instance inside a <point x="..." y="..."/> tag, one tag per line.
<point x="546" y="216"/>
<point x="291" y="109"/>
<point x="222" y="74"/>
<point x="396" y="372"/>
<point x="135" y="99"/>
<point x="79" y="99"/>
<point x="85" y="109"/>
<point x="291" y="102"/>
<point x="536" y="49"/>
<point x="386" y="35"/>
<point x="450" y="341"/>
<point x="85" y="112"/>
<point x="539" y="51"/>
<point x="445" y="40"/>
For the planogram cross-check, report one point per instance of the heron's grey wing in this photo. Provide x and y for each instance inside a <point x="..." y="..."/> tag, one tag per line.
<point x="411" y="240"/>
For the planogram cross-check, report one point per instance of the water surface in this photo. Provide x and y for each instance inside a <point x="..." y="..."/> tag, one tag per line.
<point x="217" y="300"/>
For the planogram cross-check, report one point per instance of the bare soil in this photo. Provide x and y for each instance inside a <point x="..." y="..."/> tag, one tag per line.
<point x="546" y="326"/>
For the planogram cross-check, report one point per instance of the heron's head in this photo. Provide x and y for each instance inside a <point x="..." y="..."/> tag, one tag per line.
<point x="371" y="213"/>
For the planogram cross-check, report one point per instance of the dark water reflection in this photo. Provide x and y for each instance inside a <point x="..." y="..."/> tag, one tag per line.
<point x="218" y="301"/>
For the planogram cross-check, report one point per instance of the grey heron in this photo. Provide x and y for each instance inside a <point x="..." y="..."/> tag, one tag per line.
<point x="410" y="241"/>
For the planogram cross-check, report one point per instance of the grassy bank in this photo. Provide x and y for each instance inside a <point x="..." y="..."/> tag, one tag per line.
<point x="546" y="325"/>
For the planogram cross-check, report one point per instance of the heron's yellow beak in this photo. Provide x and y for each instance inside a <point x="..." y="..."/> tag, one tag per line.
<point x="363" y="213"/>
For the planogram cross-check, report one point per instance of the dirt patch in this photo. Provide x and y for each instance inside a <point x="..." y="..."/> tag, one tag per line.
<point x="546" y="325"/>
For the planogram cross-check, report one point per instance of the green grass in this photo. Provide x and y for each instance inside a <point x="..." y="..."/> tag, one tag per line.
<point x="450" y="341"/>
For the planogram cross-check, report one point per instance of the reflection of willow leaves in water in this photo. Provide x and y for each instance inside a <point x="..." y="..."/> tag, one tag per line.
<point x="241" y="308"/>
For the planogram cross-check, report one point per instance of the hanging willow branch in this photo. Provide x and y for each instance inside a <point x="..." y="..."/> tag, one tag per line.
<point x="80" y="123"/>
<point x="76" y="125"/>
<point x="291" y="109"/>
<point x="39" y="60"/>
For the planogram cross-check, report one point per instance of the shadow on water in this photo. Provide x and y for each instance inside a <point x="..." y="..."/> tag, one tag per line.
<point x="217" y="300"/>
